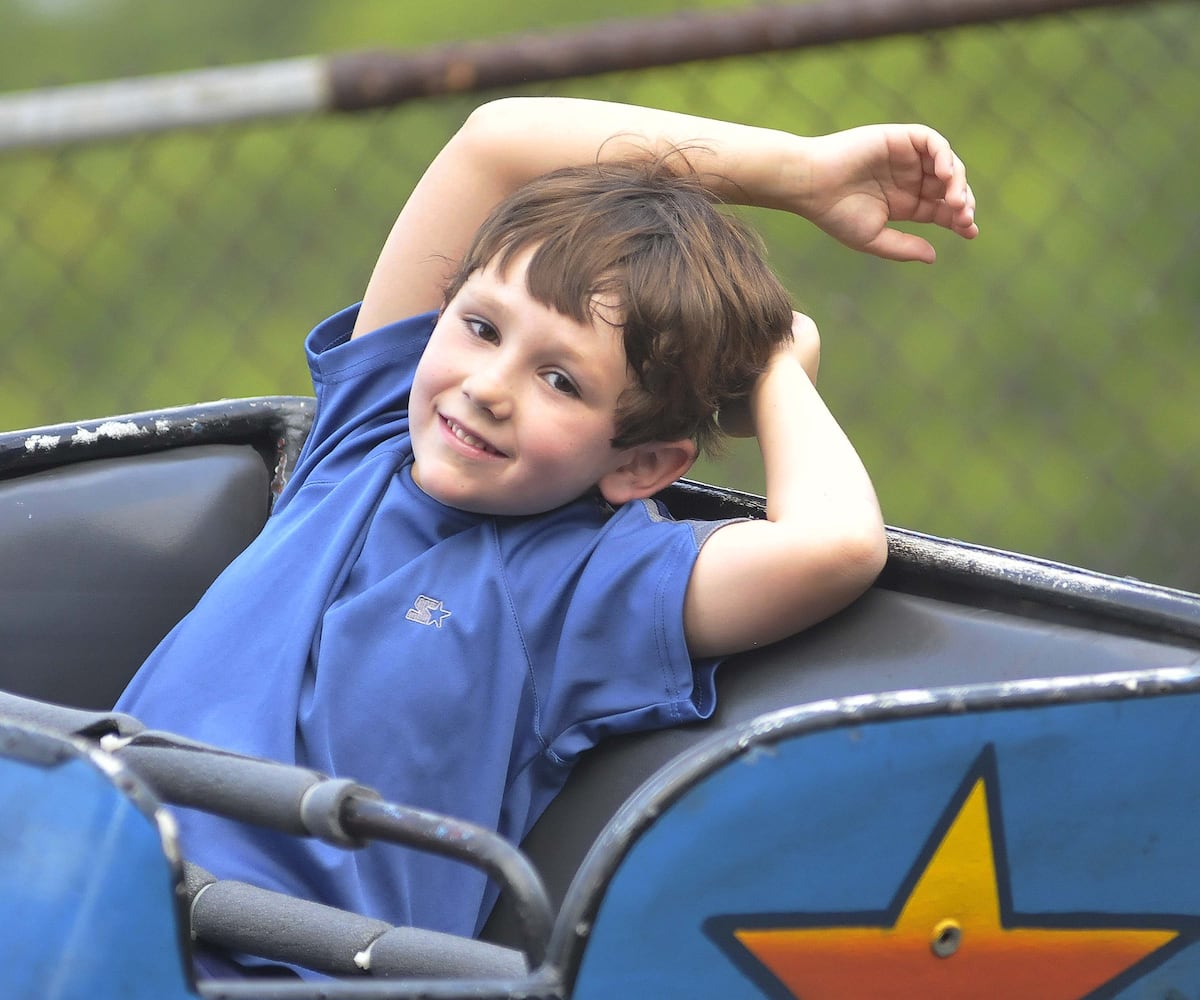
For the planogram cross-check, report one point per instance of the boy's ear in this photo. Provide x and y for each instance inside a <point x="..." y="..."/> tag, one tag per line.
<point x="647" y="468"/>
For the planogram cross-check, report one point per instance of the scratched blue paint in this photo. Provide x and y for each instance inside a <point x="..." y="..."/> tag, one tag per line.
<point x="86" y="892"/>
<point x="1099" y="803"/>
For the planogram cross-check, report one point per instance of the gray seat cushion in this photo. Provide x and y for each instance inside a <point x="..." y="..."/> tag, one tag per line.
<point x="99" y="559"/>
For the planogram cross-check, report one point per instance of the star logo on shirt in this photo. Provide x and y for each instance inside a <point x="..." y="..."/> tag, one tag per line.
<point x="427" y="611"/>
<point x="951" y="930"/>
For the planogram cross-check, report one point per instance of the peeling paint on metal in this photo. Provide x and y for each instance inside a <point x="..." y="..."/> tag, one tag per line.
<point x="41" y="442"/>
<point x="113" y="429"/>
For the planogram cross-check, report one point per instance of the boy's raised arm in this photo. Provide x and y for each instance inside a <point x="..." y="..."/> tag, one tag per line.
<point x="851" y="184"/>
<point x="823" y="541"/>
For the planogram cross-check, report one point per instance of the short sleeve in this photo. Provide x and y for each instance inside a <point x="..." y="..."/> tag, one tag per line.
<point x="604" y="626"/>
<point x="362" y="388"/>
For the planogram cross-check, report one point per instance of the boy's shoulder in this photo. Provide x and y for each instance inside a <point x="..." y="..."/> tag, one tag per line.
<point x="331" y="351"/>
<point x="589" y="540"/>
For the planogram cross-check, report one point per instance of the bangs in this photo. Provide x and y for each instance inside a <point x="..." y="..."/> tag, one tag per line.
<point x="647" y="251"/>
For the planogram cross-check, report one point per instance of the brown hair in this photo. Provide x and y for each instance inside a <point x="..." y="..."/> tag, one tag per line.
<point x="701" y="312"/>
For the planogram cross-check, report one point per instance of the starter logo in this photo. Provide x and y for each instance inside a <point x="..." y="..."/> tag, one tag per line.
<point x="427" y="611"/>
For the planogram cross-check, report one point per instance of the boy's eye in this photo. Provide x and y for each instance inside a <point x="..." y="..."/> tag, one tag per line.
<point x="482" y="329"/>
<point x="561" y="383"/>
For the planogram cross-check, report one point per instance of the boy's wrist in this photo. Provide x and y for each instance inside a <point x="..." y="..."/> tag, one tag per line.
<point x="782" y="177"/>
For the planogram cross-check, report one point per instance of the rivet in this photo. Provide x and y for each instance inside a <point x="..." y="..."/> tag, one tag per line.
<point x="946" y="938"/>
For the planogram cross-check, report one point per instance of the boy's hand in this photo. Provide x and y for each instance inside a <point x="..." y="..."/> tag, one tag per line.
<point x="856" y="182"/>
<point x="805" y="347"/>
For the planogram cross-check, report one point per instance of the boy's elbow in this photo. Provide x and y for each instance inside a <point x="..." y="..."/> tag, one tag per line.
<point x="492" y="135"/>
<point x="494" y="120"/>
<point x="483" y="120"/>
<point x="873" y="551"/>
<point x="862" y="554"/>
<point x="842" y="566"/>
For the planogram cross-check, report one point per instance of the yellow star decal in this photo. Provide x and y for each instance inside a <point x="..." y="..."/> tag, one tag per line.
<point x="951" y="936"/>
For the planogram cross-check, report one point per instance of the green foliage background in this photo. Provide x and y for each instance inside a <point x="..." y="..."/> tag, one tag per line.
<point x="1035" y="390"/>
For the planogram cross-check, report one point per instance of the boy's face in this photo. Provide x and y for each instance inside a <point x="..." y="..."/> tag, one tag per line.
<point x="513" y="404"/>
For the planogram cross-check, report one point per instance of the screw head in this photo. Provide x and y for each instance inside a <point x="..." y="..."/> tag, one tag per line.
<point x="946" y="938"/>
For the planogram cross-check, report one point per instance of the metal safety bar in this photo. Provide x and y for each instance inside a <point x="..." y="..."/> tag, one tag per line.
<point x="300" y="802"/>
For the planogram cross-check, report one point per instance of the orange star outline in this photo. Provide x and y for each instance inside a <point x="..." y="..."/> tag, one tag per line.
<point x="950" y="930"/>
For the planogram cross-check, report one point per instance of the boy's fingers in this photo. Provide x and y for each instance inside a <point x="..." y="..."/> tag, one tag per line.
<point x="954" y="176"/>
<point x="958" y="196"/>
<point x="938" y="147"/>
<point x="944" y="160"/>
<point x="968" y="216"/>
<point x="963" y="220"/>
<point x="948" y="168"/>
<point x="891" y="244"/>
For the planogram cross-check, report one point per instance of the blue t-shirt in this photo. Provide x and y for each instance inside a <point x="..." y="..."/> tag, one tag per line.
<point x="453" y="661"/>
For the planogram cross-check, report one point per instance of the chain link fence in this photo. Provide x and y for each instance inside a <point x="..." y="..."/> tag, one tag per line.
<point x="1036" y="390"/>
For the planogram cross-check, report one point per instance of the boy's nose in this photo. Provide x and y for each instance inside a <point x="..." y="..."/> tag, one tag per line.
<point x="488" y="390"/>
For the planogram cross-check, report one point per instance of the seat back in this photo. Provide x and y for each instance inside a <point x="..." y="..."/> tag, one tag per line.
<point x="98" y="560"/>
<point x="111" y="530"/>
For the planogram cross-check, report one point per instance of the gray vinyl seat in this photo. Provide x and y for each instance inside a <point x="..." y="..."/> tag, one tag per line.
<point x="99" y="559"/>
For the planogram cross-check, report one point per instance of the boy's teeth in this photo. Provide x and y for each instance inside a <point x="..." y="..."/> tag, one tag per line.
<point x="470" y="439"/>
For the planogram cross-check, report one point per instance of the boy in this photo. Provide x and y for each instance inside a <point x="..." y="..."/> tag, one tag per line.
<point x="465" y="584"/>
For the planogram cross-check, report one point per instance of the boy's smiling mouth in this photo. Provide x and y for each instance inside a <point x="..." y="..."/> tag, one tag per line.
<point x="470" y="440"/>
